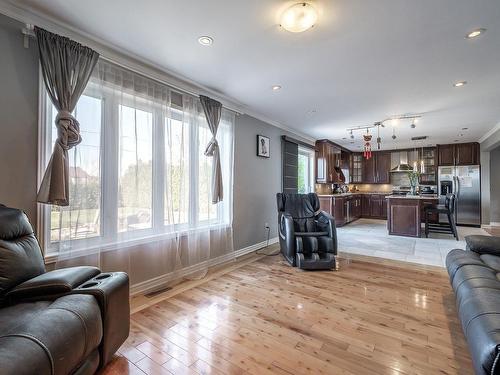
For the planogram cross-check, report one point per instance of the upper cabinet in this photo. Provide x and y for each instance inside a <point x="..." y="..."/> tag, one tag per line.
<point x="458" y="154"/>
<point x="329" y="162"/>
<point x="467" y="153"/>
<point x="376" y="169"/>
<point x="356" y="168"/>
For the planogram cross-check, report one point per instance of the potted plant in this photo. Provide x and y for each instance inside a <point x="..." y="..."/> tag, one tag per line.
<point x="414" y="177"/>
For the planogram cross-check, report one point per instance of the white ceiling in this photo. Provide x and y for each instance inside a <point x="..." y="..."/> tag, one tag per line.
<point x="365" y="60"/>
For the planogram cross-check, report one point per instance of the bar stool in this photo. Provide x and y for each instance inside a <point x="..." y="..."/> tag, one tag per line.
<point x="449" y="210"/>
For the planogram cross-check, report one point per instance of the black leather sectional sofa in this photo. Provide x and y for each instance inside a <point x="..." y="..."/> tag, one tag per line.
<point x="67" y="321"/>
<point x="475" y="278"/>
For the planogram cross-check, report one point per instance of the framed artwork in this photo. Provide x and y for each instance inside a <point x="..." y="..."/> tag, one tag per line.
<point x="263" y="146"/>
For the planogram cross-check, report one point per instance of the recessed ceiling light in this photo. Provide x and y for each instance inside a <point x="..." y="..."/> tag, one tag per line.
<point x="276" y="87"/>
<point x="460" y="83"/>
<point x="205" y="40"/>
<point x="299" y="17"/>
<point x="475" y="33"/>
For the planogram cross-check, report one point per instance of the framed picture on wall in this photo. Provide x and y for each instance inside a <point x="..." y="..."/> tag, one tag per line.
<point x="263" y="146"/>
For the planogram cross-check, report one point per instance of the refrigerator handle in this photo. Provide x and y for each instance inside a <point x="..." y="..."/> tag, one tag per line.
<point x="458" y="187"/>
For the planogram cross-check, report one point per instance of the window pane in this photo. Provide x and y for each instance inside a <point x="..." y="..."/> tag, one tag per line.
<point x="81" y="219"/>
<point x="176" y="171"/>
<point x="303" y="174"/>
<point x="206" y="210"/>
<point x="135" y="185"/>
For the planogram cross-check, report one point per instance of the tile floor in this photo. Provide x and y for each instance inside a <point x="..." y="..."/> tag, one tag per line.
<point x="369" y="237"/>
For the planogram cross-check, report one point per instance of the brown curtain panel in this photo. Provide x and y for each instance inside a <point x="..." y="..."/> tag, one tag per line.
<point x="66" y="69"/>
<point x="213" y="111"/>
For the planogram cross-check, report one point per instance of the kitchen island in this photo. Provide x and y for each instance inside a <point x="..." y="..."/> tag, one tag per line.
<point x="405" y="213"/>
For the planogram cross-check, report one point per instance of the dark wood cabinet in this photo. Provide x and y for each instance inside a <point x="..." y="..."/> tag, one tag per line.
<point x="383" y="167"/>
<point x="369" y="176"/>
<point x="328" y="162"/>
<point x="325" y="204"/>
<point x="365" y="205"/>
<point x="383" y="213"/>
<point x="458" y="154"/>
<point x="376" y="206"/>
<point x="446" y="155"/>
<point x="376" y="170"/>
<point x="467" y="154"/>
<point x="356" y="168"/>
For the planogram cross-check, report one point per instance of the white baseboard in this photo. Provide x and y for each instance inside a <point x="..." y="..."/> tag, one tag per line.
<point x="494" y="224"/>
<point x="156" y="282"/>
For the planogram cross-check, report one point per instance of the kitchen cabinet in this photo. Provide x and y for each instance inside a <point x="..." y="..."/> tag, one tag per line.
<point x="446" y="155"/>
<point x="344" y="209"/>
<point x="356" y="168"/>
<point x="383" y="167"/>
<point x="376" y="206"/>
<point x="328" y="162"/>
<point x="458" y="154"/>
<point x="366" y="205"/>
<point x="369" y="170"/>
<point x="428" y="156"/>
<point x="325" y="204"/>
<point x="467" y="153"/>
<point x="376" y="169"/>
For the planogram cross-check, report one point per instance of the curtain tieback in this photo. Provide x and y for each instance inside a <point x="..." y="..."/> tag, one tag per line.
<point x="212" y="147"/>
<point x="68" y="129"/>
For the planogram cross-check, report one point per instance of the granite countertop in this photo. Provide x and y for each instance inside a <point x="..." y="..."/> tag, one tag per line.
<point x="354" y="193"/>
<point x="426" y="196"/>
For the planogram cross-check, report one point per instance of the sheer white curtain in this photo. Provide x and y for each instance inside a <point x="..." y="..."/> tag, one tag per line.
<point x="140" y="182"/>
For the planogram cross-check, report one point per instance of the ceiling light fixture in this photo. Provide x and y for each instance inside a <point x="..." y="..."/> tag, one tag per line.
<point x="475" y="33"/>
<point x="205" y="40"/>
<point x="276" y="87"/>
<point x="299" y="17"/>
<point x="459" y="83"/>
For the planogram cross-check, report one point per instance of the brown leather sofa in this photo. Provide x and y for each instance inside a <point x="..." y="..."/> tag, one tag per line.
<point x="67" y="321"/>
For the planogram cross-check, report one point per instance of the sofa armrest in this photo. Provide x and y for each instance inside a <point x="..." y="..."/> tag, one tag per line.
<point x="52" y="284"/>
<point x="483" y="244"/>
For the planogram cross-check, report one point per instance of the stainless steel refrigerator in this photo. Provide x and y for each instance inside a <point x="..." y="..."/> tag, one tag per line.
<point x="465" y="183"/>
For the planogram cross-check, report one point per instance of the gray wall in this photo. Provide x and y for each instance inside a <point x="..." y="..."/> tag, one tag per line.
<point x="256" y="181"/>
<point x="495" y="185"/>
<point x="18" y="118"/>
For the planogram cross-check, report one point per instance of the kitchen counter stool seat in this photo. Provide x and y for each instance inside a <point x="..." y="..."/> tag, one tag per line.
<point x="448" y="209"/>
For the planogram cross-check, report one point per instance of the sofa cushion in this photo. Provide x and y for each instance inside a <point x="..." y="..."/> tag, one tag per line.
<point x="458" y="258"/>
<point x="484" y="339"/>
<point x="491" y="261"/>
<point x="20" y="255"/>
<point x="483" y="244"/>
<point x="58" y="338"/>
<point x="472" y="271"/>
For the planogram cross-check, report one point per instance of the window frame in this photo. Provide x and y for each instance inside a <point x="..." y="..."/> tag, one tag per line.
<point x="109" y="237"/>
<point x="310" y="154"/>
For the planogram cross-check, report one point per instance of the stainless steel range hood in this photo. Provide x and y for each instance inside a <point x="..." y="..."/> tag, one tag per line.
<point x="403" y="165"/>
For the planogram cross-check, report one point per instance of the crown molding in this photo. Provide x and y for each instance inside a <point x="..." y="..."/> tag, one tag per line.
<point x="135" y="62"/>
<point x="489" y="133"/>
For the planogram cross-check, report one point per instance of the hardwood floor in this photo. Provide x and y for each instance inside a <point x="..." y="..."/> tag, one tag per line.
<point x="265" y="317"/>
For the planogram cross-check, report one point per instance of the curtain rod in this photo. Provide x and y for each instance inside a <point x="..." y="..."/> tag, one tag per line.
<point x="28" y="32"/>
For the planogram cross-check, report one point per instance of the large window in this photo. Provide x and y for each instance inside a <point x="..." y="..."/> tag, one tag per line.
<point x="306" y="170"/>
<point x="140" y="170"/>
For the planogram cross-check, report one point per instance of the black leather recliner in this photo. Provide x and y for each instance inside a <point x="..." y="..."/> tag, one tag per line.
<point x="67" y="321"/>
<point x="308" y="237"/>
<point x="475" y="278"/>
